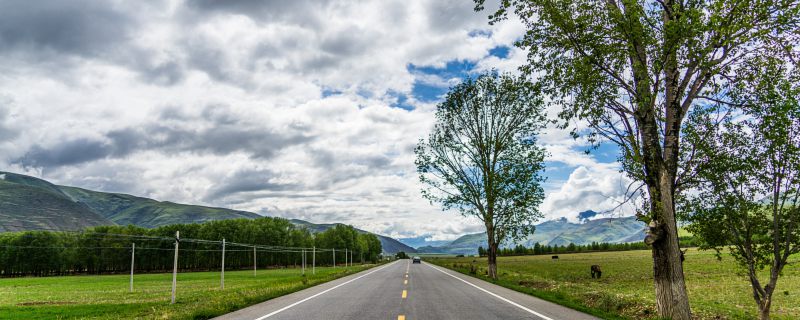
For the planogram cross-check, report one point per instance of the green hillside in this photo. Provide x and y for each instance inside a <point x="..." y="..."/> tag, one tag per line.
<point x="32" y="204"/>
<point x="28" y="203"/>
<point x="390" y="245"/>
<point x="126" y="209"/>
<point x="556" y="232"/>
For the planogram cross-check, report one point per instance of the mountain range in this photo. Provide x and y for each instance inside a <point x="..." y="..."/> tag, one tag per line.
<point x="556" y="232"/>
<point x="29" y="203"/>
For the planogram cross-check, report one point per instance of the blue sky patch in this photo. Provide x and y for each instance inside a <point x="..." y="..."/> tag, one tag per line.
<point x="427" y="91"/>
<point x="500" y="52"/>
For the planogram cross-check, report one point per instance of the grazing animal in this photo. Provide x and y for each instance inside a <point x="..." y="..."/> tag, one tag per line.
<point x="683" y="252"/>
<point x="596" y="271"/>
<point x="554" y="257"/>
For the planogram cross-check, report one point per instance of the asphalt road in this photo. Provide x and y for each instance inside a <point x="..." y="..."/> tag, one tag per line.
<point x="404" y="291"/>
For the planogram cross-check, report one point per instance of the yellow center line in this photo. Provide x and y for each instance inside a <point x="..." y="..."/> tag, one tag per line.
<point x="401" y="317"/>
<point x="405" y="294"/>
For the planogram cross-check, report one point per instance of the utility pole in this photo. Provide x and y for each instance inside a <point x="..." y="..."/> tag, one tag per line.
<point x="175" y="266"/>
<point x="222" y="280"/>
<point x="133" y="251"/>
<point x="314" y="260"/>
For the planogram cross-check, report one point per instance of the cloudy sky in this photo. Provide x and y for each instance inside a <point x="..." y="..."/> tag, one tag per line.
<point x="298" y="109"/>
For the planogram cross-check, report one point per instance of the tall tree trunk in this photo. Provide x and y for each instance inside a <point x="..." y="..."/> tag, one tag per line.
<point x="672" y="300"/>
<point x="493" y="261"/>
<point x="492" y="254"/>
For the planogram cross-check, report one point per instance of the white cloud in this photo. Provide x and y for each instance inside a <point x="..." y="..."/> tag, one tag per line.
<point x="281" y="108"/>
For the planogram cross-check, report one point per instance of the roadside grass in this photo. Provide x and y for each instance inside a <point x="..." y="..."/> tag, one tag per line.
<point x="717" y="289"/>
<point x="198" y="293"/>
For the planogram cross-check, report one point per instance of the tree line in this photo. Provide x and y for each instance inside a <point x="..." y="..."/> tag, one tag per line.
<point x="107" y="249"/>
<point x="537" y="249"/>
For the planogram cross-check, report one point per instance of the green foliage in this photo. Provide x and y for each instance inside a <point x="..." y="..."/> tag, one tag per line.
<point x="401" y="255"/>
<point x="103" y="250"/>
<point x="633" y="70"/>
<point x="748" y="188"/>
<point x="482" y="158"/>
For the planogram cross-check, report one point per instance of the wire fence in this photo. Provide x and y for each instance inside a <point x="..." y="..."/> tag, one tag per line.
<point x="111" y="253"/>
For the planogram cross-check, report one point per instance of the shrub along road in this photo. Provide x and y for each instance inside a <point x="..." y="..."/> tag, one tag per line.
<point x="405" y="291"/>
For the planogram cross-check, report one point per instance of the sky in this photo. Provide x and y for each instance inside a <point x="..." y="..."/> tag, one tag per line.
<point x="296" y="109"/>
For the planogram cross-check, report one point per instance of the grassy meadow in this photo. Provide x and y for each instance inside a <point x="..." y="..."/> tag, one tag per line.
<point x="717" y="289"/>
<point x="107" y="297"/>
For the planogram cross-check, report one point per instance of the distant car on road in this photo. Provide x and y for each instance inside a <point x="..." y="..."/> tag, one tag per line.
<point x="416" y="260"/>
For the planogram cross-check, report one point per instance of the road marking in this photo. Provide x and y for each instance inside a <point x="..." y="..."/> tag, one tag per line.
<point x="405" y="294"/>
<point x="494" y="295"/>
<point x="405" y="281"/>
<point x="318" y="294"/>
<point x="406" y="275"/>
<point x="401" y="317"/>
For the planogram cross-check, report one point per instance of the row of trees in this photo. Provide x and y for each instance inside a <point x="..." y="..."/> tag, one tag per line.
<point x="537" y="249"/>
<point x="700" y="96"/>
<point x="107" y="249"/>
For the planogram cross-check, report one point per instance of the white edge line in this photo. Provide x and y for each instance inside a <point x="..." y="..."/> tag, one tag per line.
<point x="493" y="294"/>
<point x="318" y="294"/>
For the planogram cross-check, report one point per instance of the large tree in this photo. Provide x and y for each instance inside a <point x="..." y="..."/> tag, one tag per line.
<point x="747" y="198"/>
<point x="634" y="70"/>
<point x="482" y="159"/>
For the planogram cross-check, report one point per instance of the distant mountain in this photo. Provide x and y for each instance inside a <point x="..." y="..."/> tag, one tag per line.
<point x="466" y="244"/>
<point x="126" y="209"/>
<point x="556" y="232"/>
<point x="28" y="203"/>
<point x="417" y="242"/>
<point x="390" y="245"/>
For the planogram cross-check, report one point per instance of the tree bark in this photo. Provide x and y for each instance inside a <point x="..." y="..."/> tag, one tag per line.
<point x="672" y="300"/>
<point x="764" y="306"/>
<point x="492" y="254"/>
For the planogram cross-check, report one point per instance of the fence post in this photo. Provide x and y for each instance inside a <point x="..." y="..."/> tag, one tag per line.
<point x="254" y="261"/>
<point x="304" y="261"/>
<point x="175" y="266"/>
<point x="345" y="257"/>
<point x="314" y="260"/>
<point x="222" y="281"/>
<point x="133" y="252"/>
<point x="334" y="258"/>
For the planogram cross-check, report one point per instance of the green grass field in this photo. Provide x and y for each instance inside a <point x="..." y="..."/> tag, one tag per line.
<point x="107" y="297"/>
<point x="717" y="289"/>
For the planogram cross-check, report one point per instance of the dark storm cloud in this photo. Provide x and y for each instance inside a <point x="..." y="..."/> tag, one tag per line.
<point x="78" y="27"/>
<point x="65" y="153"/>
<point x="301" y="12"/>
<point x="247" y="180"/>
<point x="224" y="135"/>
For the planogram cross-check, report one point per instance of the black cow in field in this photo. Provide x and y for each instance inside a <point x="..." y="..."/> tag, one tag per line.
<point x="596" y="271"/>
<point x="554" y="257"/>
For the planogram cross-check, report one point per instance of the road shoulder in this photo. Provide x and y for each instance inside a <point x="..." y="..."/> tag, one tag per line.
<point x="538" y="306"/>
<point x="278" y="304"/>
